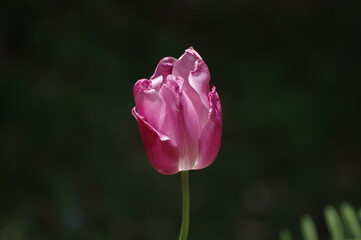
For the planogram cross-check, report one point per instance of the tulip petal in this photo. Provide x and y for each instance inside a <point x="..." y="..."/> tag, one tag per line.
<point x="162" y="155"/>
<point x="190" y="126"/>
<point x="163" y="69"/>
<point x="149" y="103"/>
<point x="182" y="123"/>
<point x="170" y="92"/>
<point x="186" y="63"/>
<point x="194" y="71"/>
<point x="199" y="80"/>
<point x="210" y="139"/>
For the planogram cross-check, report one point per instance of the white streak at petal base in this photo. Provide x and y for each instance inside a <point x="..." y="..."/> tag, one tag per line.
<point x="187" y="168"/>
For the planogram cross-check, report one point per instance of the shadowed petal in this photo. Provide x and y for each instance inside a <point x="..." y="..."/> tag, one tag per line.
<point x="210" y="139"/>
<point x="162" y="155"/>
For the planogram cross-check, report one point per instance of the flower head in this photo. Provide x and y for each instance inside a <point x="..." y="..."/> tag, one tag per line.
<point x="180" y="120"/>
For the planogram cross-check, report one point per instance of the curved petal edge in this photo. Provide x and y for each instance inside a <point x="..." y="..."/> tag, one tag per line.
<point x="162" y="155"/>
<point x="210" y="139"/>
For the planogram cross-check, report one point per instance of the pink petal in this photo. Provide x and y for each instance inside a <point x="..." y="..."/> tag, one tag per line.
<point x="162" y="155"/>
<point x="186" y="63"/>
<point x="170" y="92"/>
<point x="194" y="71"/>
<point x="199" y="81"/>
<point x="149" y="103"/>
<point x="191" y="129"/>
<point x="182" y="122"/>
<point x="210" y="139"/>
<point x="163" y="69"/>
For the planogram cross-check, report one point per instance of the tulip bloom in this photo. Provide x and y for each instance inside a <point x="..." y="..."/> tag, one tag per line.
<point x="180" y="120"/>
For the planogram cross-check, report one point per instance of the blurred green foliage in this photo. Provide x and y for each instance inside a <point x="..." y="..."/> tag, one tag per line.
<point x="72" y="165"/>
<point x="335" y="225"/>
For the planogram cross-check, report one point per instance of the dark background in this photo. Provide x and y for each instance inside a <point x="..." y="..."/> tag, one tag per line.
<point x="72" y="162"/>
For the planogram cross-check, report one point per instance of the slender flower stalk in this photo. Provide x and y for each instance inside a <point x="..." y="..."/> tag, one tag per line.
<point x="185" y="207"/>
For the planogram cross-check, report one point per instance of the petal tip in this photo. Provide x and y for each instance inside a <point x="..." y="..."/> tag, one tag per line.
<point x="164" y="67"/>
<point x="193" y="52"/>
<point x="142" y="84"/>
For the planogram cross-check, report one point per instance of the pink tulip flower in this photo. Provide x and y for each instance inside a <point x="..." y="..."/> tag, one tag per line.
<point x="180" y="120"/>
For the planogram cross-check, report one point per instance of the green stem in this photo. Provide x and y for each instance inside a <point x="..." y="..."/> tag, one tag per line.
<point x="185" y="207"/>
